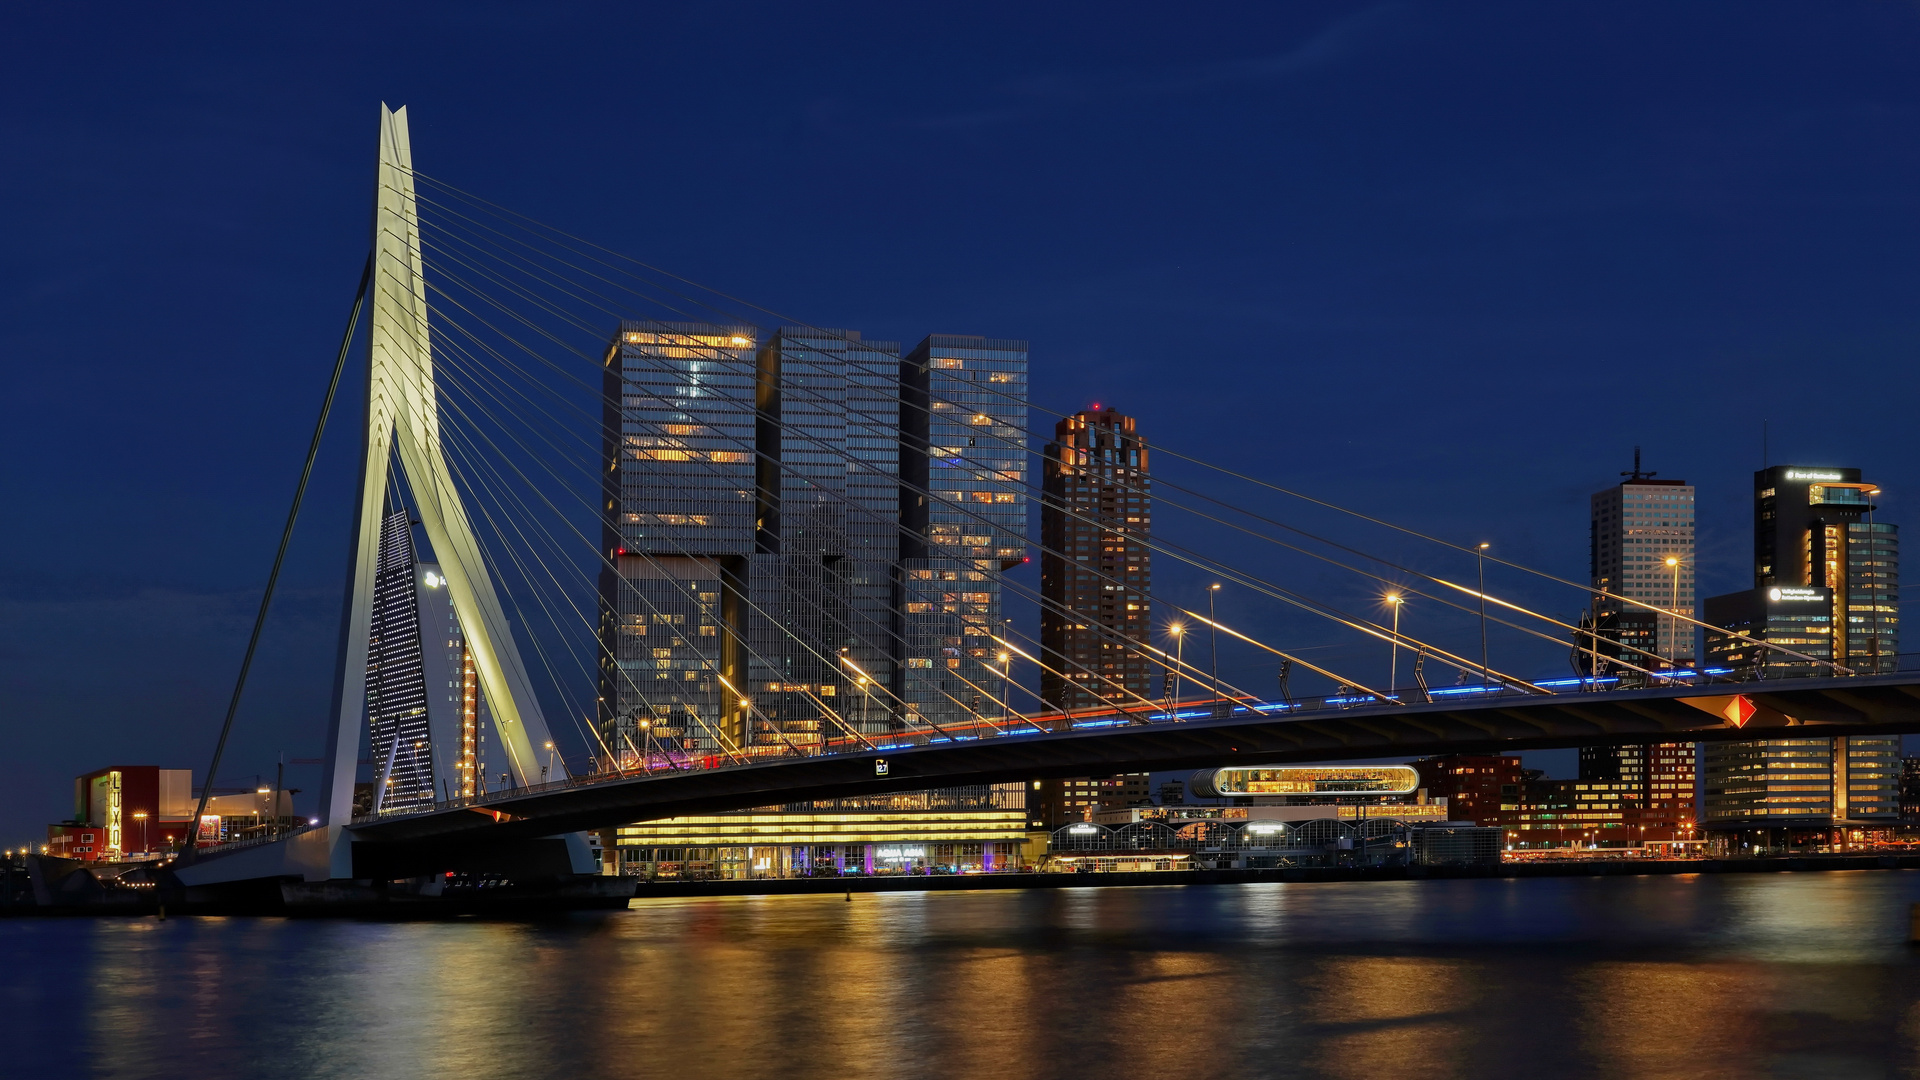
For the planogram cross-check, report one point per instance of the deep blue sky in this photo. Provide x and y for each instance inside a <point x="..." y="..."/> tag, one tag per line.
<point x="1441" y="263"/>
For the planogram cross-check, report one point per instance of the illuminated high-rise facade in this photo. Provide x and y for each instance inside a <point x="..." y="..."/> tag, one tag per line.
<point x="827" y="536"/>
<point x="1641" y="548"/>
<point x="679" y="489"/>
<point x="963" y="422"/>
<point x="424" y="704"/>
<point x="1826" y="585"/>
<point x="1814" y="528"/>
<point x="1096" y="571"/>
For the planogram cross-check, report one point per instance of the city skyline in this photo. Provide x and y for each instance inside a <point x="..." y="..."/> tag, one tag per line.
<point x="919" y="530"/>
<point x="1511" y="334"/>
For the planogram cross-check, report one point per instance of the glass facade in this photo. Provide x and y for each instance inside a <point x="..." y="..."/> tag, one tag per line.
<point x="424" y="706"/>
<point x="679" y="494"/>
<point x="1814" y="527"/>
<point x="957" y="830"/>
<point x="1826" y="579"/>
<point x="1802" y="782"/>
<point x="963" y="421"/>
<point x="828" y="534"/>
<point x="778" y="578"/>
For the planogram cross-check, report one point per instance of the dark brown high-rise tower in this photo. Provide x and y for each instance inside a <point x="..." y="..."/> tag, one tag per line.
<point x="1095" y="569"/>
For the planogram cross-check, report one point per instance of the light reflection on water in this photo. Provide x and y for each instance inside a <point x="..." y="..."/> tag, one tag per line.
<point x="1691" y="977"/>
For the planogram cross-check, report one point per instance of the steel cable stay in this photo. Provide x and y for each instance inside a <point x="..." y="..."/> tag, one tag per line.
<point x="1305" y="551"/>
<point x="832" y="450"/>
<point x="456" y="406"/>
<point x="493" y="568"/>
<point x="605" y="521"/>
<point x="473" y="455"/>
<point x="690" y="644"/>
<point x="1597" y="593"/>
<point x="446" y="321"/>
<point x="1408" y="637"/>
<point x="476" y="484"/>
<point x="821" y="657"/>
<point x="1004" y="581"/>
<point x="523" y="348"/>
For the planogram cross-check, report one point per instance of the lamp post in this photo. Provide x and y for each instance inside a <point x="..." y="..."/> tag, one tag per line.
<point x="1006" y="686"/>
<point x="1485" y="672"/>
<point x="1179" y="659"/>
<point x="141" y="817"/>
<point x="1213" y="591"/>
<point x="1393" y="664"/>
<point x="1673" y="619"/>
<point x="547" y="769"/>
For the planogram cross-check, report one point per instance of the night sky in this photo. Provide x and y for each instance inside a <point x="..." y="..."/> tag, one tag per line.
<point x="1447" y="266"/>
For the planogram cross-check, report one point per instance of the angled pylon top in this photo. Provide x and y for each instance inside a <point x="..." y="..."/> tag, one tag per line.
<point x="403" y="420"/>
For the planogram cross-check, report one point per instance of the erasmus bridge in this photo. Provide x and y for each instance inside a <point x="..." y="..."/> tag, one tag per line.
<point x="493" y="408"/>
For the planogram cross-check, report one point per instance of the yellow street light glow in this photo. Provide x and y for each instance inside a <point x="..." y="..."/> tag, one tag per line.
<point x="1673" y="562"/>
<point x="739" y="341"/>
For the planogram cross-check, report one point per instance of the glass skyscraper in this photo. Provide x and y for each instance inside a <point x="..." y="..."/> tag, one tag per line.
<point x="1826" y="585"/>
<point x="679" y="489"/>
<point x="963" y="456"/>
<point x="424" y="705"/>
<point x="828" y="535"/>
<point x="807" y="531"/>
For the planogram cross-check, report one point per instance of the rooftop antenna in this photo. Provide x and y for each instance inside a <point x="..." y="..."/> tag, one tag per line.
<point x="1636" y="474"/>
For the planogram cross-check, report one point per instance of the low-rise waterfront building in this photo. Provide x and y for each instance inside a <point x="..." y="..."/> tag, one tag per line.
<point x="953" y="830"/>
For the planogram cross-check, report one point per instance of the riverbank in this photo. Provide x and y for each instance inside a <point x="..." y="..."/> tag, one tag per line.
<point x="1588" y="868"/>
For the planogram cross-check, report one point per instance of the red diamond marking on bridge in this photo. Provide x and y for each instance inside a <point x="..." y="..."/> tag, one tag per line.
<point x="1738" y="711"/>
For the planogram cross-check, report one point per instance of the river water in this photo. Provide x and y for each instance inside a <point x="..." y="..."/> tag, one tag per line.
<point x="1738" y="975"/>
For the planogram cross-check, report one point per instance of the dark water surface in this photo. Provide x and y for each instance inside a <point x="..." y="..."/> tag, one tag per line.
<point x="1801" y="975"/>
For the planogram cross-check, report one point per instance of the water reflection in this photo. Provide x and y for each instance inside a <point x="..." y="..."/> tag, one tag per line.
<point x="1698" y="977"/>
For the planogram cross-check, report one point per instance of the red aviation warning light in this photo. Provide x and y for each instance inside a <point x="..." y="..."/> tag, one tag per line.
<point x="1738" y="711"/>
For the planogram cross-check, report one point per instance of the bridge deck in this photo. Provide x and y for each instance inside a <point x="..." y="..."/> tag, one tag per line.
<point x="1859" y="705"/>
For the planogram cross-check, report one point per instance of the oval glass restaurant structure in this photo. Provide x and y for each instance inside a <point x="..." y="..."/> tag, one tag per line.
<point x="1271" y="780"/>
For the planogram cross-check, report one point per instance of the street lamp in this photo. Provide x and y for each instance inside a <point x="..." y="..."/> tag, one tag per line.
<point x="546" y="769"/>
<point x="1212" y="591"/>
<point x="1179" y="632"/>
<point x="141" y="817"/>
<point x="1673" y="609"/>
<point x="1393" y="666"/>
<point x="1006" y="686"/>
<point x="1486" y="676"/>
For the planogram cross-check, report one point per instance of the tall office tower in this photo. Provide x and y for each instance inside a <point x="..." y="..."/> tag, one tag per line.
<point x="963" y="510"/>
<point x="1641" y="548"/>
<point x="1095" y="569"/>
<point x="424" y="704"/>
<point x="1826" y="582"/>
<point x="828" y="535"/>
<point x="679" y="490"/>
<point x="1815" y="528"/>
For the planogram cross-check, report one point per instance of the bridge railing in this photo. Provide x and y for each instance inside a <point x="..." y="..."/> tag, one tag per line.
<point x="1015" y="725"/>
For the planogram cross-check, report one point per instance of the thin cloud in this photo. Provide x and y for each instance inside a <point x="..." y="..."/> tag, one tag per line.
<point x="1054" y="93"/>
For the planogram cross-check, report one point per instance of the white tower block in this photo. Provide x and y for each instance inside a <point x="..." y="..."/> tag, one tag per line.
<point x="402" y="415"/>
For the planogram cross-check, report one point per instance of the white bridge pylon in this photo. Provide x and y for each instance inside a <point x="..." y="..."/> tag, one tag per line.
<point x="403" y="420"/>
